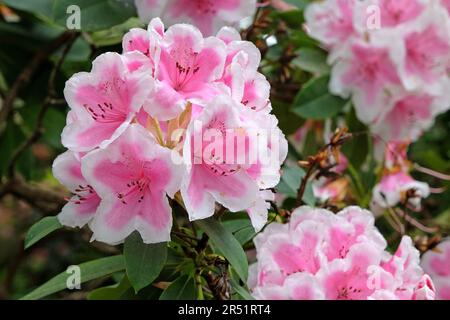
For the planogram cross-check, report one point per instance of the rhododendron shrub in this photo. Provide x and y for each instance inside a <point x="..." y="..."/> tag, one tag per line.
<point x="233" y="149"/>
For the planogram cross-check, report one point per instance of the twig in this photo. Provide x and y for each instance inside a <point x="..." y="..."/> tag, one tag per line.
<point x="303" y="184"/>
<point x="47" y="201"/>
<point x="39" y="129"/>
<point x="25" y="76"/>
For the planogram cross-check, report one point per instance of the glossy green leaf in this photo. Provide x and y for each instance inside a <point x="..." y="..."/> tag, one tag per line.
<point x="144" y="262"/>
<point x="88" y="271"/>
<point x="41" y="229"/>
<point x="315" y="102"/>
<point x="224" y="240"/>
<point x="182" y="288"/>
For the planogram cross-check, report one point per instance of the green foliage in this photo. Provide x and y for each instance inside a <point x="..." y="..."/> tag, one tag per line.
<point x="315" y="102"/>
<point x="182" y="288"/>
<point x="224" y="241"/>
<point x="144" y="262"/>
<point x="88" y="271"/>
<point x="41" y="229"/>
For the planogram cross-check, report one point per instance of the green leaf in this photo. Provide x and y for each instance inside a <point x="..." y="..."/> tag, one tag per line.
<point x="95" y="15"/>
<point x="312" y="60"/>
<point x="315" y="101"/>
<point x="41" y="229"/>
<point x="88" y="271"/>
<point x="114" y="292"/>
<point x="290" y="182"/>
<point x="144" y="262"/>
<point x="240" y="290"/>
<point x="241" y="228"/>
<point x="227" y="244"/>
<point x="182" y="288"/>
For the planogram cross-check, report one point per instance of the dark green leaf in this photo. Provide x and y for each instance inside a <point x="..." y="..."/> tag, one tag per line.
<point x="240" y="290"/>
<point x="114" y="292"/>
<point x="227" y="244"/>
<point x="182" y="288"/>
<point x="95" y="15"/>
<point x="290" y="182"/>
<point x="315" y="101"/>
<point x="41" y="229"/>
<point x="312" y="60"/>
<point x="88" y="271"/>
<point x="144" y="262"/>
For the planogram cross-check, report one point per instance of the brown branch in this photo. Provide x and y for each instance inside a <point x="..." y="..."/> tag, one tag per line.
<point x="47" y="201"/>
<point x="51" y="96"/>
<point x="27" y="73"/>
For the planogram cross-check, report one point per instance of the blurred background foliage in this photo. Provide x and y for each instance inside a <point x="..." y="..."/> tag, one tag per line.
<point x="296" y="68"/>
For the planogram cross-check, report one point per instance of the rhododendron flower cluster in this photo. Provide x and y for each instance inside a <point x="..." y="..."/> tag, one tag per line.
<point x="322" y="255"/>
<point x="207" y="15"/>
<point x="176" y="115"/>
<point x="392" y="57"/>
<point x="436" y="262"/>
<point x="396" y="185"/>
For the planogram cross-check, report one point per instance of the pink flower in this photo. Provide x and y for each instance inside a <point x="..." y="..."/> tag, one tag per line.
<point x="130" y="115"/>
<point x="408" y="119"/>
<point x="226" y="165"/>
<point x="133" y="177"/>
<point x="395" y="68"/>
<point x="81" y="208"/>
<point x="427" y="54"/>
<point x="396" y="12"/>
<point x="396" y="185"/>
<point x="425" y="290"/>
<point x="247" y="85"/>
<point x="331" y="21"/>
<point x="393" y="189"/>
<point x="367" y="72"/>
<point x="186" y="70"/>
<point x="211" y="176"/>
<point x="321" y="255"/>
<point x="446" y="4"/>
<point x="436" y="262"/>
<point x="208" y="15"/>
<point x="104" y="102"/>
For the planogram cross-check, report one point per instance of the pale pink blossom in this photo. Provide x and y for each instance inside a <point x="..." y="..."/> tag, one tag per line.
<point x="212" y="177"/>
<point x="396" y="185"/>
<point x="208" y="15"/>
<point x="392" y="190"/>
<point x="331" y="21"/>
<point x="322" y="255"/>
<point x="436" y="262"/>
<point x="186" y="70"/>
<point x="104" y="102"/>
<point x="133" y="176"/>
<point x="395" y="68"/>
<point x="81" y="207"/>
<point x="367" y="74"/>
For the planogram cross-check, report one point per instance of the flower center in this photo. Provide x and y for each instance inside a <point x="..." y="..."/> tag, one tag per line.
<point x="186" y="66"/>
<point x="105" y="113"/>
<point x="83" y="194"/>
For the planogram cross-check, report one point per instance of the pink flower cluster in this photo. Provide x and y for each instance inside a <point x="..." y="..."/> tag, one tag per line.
<point x="207" y="15"/>
<point x="161" y="121"/>
<point x="392" y="57"/>
<point x="322" y="255"/>
<point x="396" y="185"/>
<point x="436" y="262"/>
